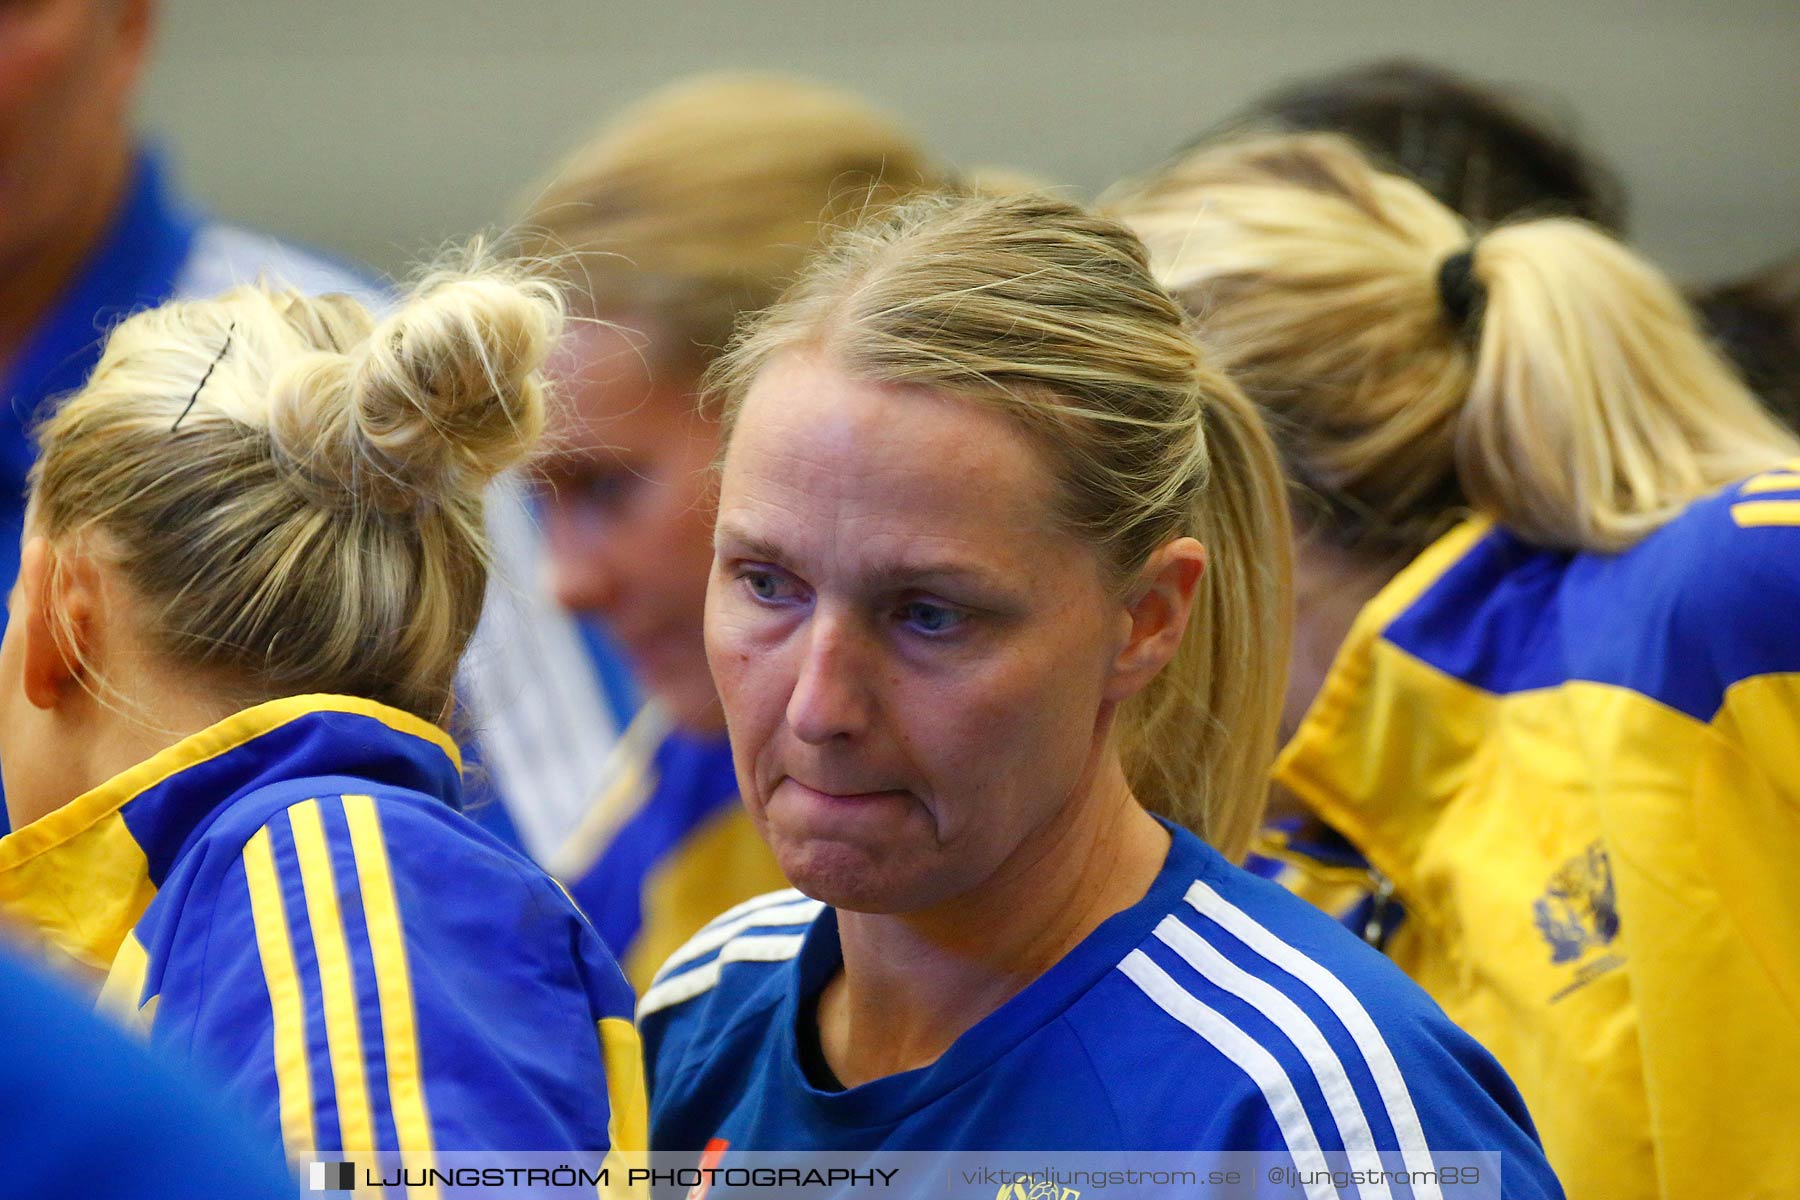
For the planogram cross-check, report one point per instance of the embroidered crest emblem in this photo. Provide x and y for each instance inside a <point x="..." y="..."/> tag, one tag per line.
<point x="1578" y="910"/>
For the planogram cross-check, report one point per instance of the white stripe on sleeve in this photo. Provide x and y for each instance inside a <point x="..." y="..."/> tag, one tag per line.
<point x="766" y="900"/>
<point x="1348" y="1009"/>
<point x="775" y="948"/>
<point x="1251" y="1058"/>
<point x="799" y="912"/>
<point x="1285" y="1015"/>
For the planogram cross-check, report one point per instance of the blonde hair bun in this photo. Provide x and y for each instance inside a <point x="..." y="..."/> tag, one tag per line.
<point x="443" y="395"/>
<point x="295" y="489"/>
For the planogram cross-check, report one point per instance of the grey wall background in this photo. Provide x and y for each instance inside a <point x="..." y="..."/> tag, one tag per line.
<point x="379" y="128"/>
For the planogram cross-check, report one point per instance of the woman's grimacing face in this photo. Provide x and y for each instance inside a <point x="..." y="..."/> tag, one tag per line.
<point x="914" y="659"/>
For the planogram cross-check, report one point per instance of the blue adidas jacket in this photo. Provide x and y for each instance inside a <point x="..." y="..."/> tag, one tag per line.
<point x="292" y="898"/>
<point x="666" y="847"/>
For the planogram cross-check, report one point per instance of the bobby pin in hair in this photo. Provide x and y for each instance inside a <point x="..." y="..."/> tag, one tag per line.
<point x="229" y="330"/>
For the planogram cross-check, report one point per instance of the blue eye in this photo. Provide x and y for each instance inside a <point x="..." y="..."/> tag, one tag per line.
<point x="931" y="618"/>
<point x="770" y="587"/>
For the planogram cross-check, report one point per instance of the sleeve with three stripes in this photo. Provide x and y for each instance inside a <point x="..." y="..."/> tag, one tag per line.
<point x="373" y="977"/>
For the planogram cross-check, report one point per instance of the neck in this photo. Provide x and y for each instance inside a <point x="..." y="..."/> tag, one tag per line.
<point x="39" y="271"/>
<point x="99" y="738"/>
<point x="129" y="736"/>
<point x="912" y="983"/>
<point x="1332" y="585"/>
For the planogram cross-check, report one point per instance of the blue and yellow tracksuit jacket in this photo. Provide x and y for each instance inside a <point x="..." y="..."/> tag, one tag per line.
<point x="666" y="847"/>
<point x="291" y="898"/>
<point x="1580" y="777"/>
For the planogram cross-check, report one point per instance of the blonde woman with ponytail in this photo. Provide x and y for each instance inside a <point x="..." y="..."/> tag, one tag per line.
<point x="1545" y="702"/>
<point x="998" y="613"/>
<point x="253" y="555"/>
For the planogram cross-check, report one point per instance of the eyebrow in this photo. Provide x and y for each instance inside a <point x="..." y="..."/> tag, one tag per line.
<point x="746" y="544"/>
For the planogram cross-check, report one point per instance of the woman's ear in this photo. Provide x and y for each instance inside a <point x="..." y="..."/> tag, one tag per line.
<point x="59" y="610"/>
<point x="1157" y="608"/>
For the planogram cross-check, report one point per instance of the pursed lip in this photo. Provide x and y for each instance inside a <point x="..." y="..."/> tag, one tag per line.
<point x="847" y="796"/>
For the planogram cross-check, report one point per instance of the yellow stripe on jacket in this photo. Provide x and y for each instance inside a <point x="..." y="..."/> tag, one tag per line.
<point x="1581" y="774"/>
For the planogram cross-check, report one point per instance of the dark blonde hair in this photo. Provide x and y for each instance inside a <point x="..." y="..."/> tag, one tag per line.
<point x="1048" y="312"/>
<point x="309" y="518"/>
<point x="702" y="201"/>
<point x="1578" y="404"/>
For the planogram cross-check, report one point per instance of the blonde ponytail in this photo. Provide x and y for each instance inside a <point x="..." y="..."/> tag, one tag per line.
<point x="1579" y="404"/>
<point x="1597" y="411"/>
<point x="1232" y="665"/>
<point x="1048" y="312"/>
<point x="293" y="490"/>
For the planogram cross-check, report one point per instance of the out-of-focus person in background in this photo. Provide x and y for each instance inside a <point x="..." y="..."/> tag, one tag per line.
<point x="92" y="228"/>
<point x="999" y="616"/>
<point x="1546" y="682"/>
<point x="691" y="209"/>
<point x="1489" y="155"/>
<point x="256" y="550"/>
<point x="1756" y="322"/>
<point x="1482" y="150"/>
<point x="87" y="1113"/>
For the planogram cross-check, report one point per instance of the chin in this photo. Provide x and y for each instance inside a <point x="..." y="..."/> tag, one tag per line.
<point x="857" y="879"/>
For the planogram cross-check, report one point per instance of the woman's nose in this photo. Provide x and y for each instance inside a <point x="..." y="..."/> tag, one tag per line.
<point x="831" y="696"/>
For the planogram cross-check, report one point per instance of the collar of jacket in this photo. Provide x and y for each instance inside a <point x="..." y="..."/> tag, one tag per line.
<point x="77" y="880"/>
<point x="1389" y="739"/>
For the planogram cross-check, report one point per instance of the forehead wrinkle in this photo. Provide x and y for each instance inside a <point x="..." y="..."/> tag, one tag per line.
<point x="878" y="473"/>
<point x="892" y="480"/>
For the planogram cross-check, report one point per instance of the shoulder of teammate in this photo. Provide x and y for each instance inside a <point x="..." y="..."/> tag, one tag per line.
<point x="1737" y="558"/>
<point x="1312" y="1042"/>
<point x="1680" y="617"/>
<point x="343" y="905"/>
<point x="81" y="1098"/>
<point x="733" y="968"/>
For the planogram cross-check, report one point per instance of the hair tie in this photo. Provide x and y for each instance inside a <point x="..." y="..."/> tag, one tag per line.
<point x="229" y="330"/>
<point x="1463" y="296"/>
